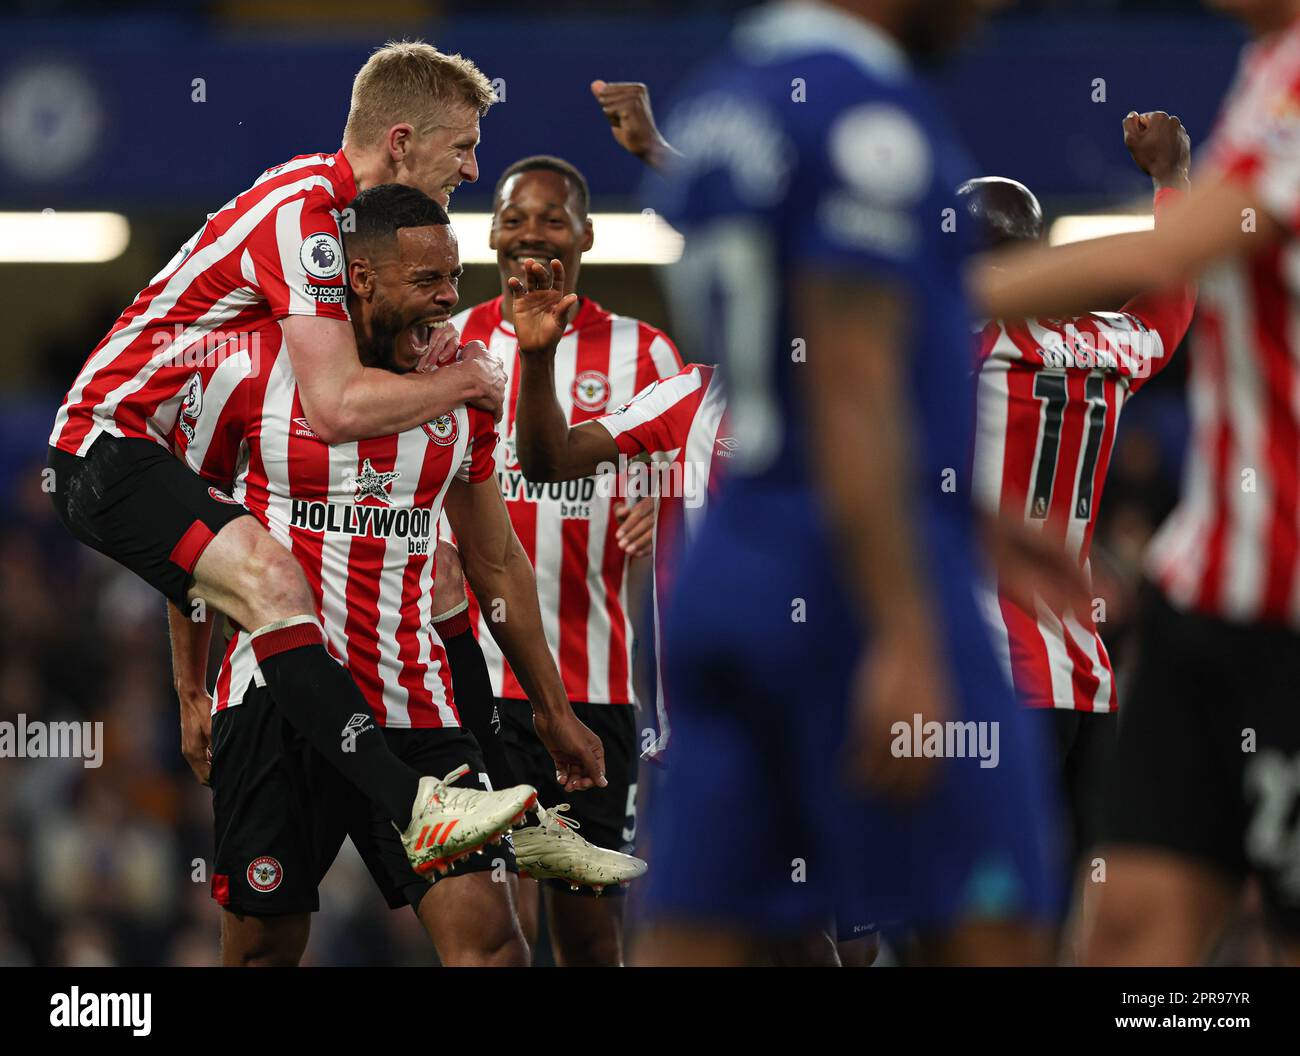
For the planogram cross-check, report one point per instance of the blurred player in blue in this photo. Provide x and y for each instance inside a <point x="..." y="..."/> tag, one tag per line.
<point x="826" y="616"/>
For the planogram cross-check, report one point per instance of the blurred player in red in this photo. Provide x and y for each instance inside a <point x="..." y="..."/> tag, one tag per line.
<point x="1204" y="789"/>
<point x="1049" y="396"/>
<point x="573" y="536"/>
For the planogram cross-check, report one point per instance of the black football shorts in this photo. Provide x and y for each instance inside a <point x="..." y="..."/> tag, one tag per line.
<point x="1207" y="761"/>
<point x="136" y="502"/>
<point x="281" y="812"/>
<point x="606" y="816"/>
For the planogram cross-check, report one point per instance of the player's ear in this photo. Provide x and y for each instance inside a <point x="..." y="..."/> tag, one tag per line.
<point x="588" y="236"/>
<point x="492" y="233"/>
<point x="360" y="277"/>
<point x="398" y="141"/>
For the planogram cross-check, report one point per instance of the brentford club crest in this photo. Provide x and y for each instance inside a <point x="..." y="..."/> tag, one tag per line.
<point x="221" y="496"/>
<point x="264" y="874"/>
<point x="591" y="390"/>
<point x="442" y="431"/>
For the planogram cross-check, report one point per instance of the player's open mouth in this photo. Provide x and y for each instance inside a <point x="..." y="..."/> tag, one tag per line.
<point x="420" y="335"/>
<point x="449" y="189"/>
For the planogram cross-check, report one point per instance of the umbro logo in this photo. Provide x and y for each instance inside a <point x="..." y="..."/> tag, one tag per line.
<point x="302" y="427"/>
<point x="359" y="723"/>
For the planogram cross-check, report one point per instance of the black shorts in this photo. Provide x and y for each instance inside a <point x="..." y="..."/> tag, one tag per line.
<point x="1207" y="761"/>
<point x="139" y="504"/>
<point x="281" y="812"/>
<point x="1084" y="742"/>
<point x="606" y="816"/>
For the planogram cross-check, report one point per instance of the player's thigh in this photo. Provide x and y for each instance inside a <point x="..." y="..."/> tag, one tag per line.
<point x="245" y="573"/>
<point x="1156" y="907"/>
<point x="135" y="502"/>
<point x="249" y="941"/>
<point x="472" y="921"/>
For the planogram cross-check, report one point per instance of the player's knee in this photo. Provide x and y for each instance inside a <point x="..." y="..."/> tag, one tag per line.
<point x="497" y="944"/>
<point x="249" y="942"/>
<point x="449" y="583"/>
<point x="585" y="935"/>
<point x="274" y="584"/>
<point x="264" y="957"/>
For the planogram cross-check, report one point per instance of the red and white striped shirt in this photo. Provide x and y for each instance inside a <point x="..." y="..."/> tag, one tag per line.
<point x="361" y="518"/>
<point x="1049" y="396"/>
<point x="270" y="252"/>
<point x="568" y="529"/>
<point x="1231" y="548"/>
<point x="681" y="424"/>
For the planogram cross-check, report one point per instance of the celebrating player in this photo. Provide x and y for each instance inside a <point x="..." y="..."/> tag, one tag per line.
<point x="1203" y="788"/>
<point x="1050" y="392"/>
<point x="362" y="520"/>
<point x="837" y="305"/>
<point x="273" y="254"/>
<point x="571" y="533"/>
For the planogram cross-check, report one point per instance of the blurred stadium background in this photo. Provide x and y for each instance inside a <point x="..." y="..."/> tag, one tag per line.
<point x="98" y="114"/>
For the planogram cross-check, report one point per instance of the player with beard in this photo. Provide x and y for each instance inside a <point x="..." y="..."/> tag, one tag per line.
<point x="362" y="520"/>
<point x="273" y="254"/>
<point x="1203" y="790"/>
<point x="829" y="599"/>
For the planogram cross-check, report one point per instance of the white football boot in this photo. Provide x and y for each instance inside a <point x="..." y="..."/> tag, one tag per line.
<point x="552" y="849"/>
<point x="451" y="823"/>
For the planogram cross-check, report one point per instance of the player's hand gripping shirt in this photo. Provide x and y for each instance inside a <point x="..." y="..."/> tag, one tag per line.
<point x="361" y="518"/>
<point x="270" y="252"/>
<point x="1049" y="395"/>
<point x="1232" y="546"/>
<point x="568" y="529"/>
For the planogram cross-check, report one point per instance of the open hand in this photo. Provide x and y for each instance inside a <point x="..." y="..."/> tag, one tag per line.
<point x="540" y="306"/>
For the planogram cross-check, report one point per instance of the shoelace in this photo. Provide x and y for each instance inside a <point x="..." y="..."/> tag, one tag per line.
<point x="440" y="788"/>
<point x="554" y="821"/>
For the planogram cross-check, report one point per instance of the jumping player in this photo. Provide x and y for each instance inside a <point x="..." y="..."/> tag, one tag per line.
<point x="362" y="519"/>
<point x="273" y="253"/>
<point x="1049" y="396"/>
<point x="1203" y="788"/>
<point x="572" y="535"/>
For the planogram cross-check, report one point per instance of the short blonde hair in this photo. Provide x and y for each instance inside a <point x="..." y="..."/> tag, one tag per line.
<point x="413" y="82"/>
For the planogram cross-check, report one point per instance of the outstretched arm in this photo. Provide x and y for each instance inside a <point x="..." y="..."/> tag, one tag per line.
<point x="1220" y="218"/>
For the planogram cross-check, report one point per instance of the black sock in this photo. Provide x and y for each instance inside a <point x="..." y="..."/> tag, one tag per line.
<point x="471" y="687"/>
<point x="315" y="693"/>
